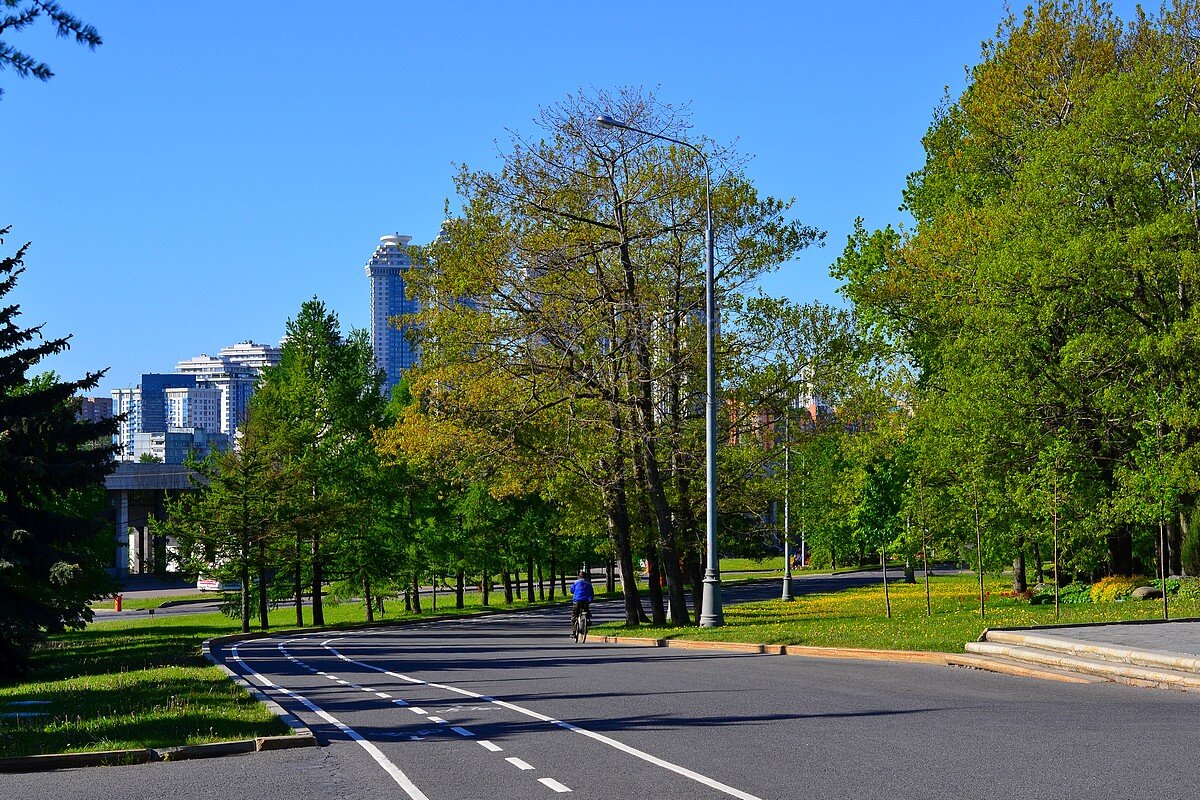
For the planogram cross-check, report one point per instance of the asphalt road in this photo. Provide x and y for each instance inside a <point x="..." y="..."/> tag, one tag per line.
<point x="509" y="707"/>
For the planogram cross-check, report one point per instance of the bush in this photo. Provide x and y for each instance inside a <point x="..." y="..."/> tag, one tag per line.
<point x="1183" y="588"/>
<point x="1115" y="587"/>
<point x="1071" y="594"/>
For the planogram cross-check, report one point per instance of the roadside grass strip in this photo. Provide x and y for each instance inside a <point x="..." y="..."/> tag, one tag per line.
<point x="621" y="746"/>
<point x="856" y="618"/>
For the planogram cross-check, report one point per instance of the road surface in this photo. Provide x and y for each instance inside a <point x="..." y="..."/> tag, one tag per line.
<point x="508" y="707"/>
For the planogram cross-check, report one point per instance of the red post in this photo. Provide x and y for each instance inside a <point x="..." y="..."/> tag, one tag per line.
<point x="117" y="603"/>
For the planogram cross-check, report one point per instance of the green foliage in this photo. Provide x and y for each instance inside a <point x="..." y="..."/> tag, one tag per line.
<point x="54" y="545"/>
<point x="1071" y="594"/>
<point x="1046" y="292"/>
<point x="23" y="13"/>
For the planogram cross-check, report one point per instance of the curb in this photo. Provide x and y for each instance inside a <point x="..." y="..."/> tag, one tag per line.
<point x="807" y="651"/>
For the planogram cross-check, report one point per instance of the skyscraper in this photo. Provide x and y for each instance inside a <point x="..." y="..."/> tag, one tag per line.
<point x="386" y="270"/>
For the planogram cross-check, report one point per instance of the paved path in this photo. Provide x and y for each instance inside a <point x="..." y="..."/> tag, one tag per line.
<point x="1182" y="637"/>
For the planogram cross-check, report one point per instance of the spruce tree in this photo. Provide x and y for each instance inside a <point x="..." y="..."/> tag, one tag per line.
<point x="54" y="544"/>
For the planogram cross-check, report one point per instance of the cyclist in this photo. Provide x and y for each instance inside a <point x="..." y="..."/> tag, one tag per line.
<point x="582" y="595"/>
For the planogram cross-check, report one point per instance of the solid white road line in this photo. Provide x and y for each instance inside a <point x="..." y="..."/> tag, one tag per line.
<point x="553" y="784"/>
<point x="518" y="763"/>
<point x="624" y="748"/>
<point x="397" y="774"/>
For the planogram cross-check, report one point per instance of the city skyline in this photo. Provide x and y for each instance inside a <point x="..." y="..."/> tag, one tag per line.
<point x="193" y="181"/>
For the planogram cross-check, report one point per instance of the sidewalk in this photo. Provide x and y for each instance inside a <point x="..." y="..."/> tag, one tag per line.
<point x="1153" y="653"/>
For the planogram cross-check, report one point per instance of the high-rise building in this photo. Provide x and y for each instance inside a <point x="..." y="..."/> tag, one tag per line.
<point x="394" y="352"/>
<point x="194" y="407"/>
<point x="95" y="409"/>
<point x="251" y="355"/>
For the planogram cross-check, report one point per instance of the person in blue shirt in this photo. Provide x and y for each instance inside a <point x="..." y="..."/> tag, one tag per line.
<point x="582" y="595"/>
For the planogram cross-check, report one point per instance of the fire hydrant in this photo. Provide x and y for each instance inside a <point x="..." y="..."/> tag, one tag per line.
<point x="117" y="602"/>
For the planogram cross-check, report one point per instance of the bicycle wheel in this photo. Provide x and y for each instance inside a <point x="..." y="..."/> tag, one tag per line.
<point x="583" y="628"/>
<point x="575" y="631"/>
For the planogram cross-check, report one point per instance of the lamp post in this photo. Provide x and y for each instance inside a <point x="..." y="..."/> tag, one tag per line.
<point x="787" y="507"/>
<point x="711" y="615"/>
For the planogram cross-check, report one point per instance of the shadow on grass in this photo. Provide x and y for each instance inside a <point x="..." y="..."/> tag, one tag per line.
<point x="155" y="708"/>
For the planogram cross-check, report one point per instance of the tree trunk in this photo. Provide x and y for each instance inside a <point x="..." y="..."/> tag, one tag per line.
<point x="1020" y="585"/>
<point x="529" y="578"/>
<point x="553" y="574"/>
<point x="1120" y="551"/>
<point x="610" y="579"/>
<point x="264" y="606"/>
<point x="542" y="584"/>
<point x="367" y="599"/>
<point x="616" y="512"/>
<point x="486" y="587"/>
<point x="299" y="584"/>
<point x="506" y="579"/>
<point x="517" y="584"/>
<point x="318" y="580"/>
<point x="695" y="567"/>
<point x="658" y="612"/>
<point x="460" y="588"/>
<point x="416" y="592"/>
<point x="244" y="576"/>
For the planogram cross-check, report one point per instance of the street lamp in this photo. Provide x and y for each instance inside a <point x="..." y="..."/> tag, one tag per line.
<point x="711" y="615"/>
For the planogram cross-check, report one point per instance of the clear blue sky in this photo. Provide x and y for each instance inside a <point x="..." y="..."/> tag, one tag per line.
<point x="191" y="182"/>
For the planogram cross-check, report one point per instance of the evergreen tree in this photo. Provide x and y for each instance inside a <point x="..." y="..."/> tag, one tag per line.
<point x="54" y="546"/>
<point x="23" y="14"/>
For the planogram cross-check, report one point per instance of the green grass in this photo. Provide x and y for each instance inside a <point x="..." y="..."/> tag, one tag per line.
<point x="856" y="617"/>
<point x="768" y="564"/>
<point x="142" y="682"/>
<point x="143" y="603"/>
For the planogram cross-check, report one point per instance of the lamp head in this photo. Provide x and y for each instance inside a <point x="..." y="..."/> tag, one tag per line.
<point x="605" y="121"/>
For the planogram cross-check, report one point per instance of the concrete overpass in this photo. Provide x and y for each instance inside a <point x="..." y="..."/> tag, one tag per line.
<point x="137" y="493"/>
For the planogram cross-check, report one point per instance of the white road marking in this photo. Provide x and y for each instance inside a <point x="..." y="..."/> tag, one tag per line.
<point x="553" y="784"/>
<point x="518" y="763"/>
<point x="384" y="695"/>
<point x="624" y="748"/>
<point x="417" y="710"/>
<point x="438" y="720"/>
<point x="486" y="745"/>
<point x="462" y="731"/>
<point x="397" y="774"/>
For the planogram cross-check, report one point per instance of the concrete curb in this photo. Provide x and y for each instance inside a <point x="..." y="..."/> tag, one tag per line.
<point x="98" y="758"/>
<point x="905" y="656"/>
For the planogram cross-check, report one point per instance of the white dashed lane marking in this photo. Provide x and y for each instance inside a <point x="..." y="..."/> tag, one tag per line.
<point x="519" y="763"/>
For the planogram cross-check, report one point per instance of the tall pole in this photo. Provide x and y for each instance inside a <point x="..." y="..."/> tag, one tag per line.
<point x="787" y="490"/>
<point x="711" y="614"/>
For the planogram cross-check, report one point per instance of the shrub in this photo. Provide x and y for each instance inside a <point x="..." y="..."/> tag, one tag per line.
<point x="1115" y="587"/>
<point x="1071" y="594"/>
<point x="1183" y="588"/>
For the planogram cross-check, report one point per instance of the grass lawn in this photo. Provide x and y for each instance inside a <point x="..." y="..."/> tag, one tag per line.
<point x="143" y="603"/>
<point x="856" y="617"/>
<point x="141" y="682"/>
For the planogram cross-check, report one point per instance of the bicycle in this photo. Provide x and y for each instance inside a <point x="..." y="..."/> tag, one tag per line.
<point x="579" y="628"/>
